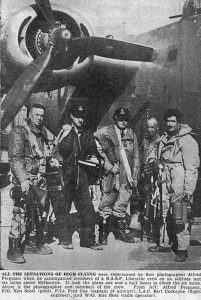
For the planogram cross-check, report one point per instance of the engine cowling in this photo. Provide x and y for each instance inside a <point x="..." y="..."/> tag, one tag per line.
<point x="25" y="36"/>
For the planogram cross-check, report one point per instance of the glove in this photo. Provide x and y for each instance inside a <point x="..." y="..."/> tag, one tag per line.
<point x="148" y="170"/>
<point x="25" y="186"/>
<point x="93" y="159"/>
<point x="54" y="162"/>
<point x="16" y="193"/>
<point x="115" y="169"/>
<point x="67" y="127"/>
<point x="186" y="197"/>
<point x="134" y="186"/>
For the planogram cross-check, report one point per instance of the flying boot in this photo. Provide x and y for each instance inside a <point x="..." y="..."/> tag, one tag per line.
<point x="159" y="248"/>
<point x="182" y="255"/>
<point x="87" y="239"/>
<point x="15" y="253"/>
<point x="34" y="245"/>
<point x="63" y="230"/>
<point x="120" y="231"/>
<point x="103" y="230"/>
<point x="66" y="241"/>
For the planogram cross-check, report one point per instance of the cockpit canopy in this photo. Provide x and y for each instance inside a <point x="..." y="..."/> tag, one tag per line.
<point x="191" y="7"/>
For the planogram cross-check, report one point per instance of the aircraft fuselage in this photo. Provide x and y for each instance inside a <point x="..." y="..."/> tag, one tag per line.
<point x="174" y="79"/>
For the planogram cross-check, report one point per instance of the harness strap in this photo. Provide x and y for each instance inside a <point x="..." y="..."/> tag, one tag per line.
<point x="33" y="142"/>
<point x="124" y="158"/>
<point x="64" y="132"/>
<point x="36" y="151"/>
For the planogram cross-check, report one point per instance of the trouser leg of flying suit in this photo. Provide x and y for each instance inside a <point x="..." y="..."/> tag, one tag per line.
<point x="61" y="204"/>
<point x="106" y="205"/>
<point x="164" y="238"/>
<point x="121" y="204"/>
<point x="85" y="208"/>
<point x="115" y="203"/>
<point x="76" y="191"/>
<point x="26" y="218"/>
<point x="173" y="192"/>
<point x="18" y="226"/>
<point x="105" y="215"/>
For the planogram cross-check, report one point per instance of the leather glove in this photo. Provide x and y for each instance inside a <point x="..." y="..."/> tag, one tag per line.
<point x="148" y="170"/>
<point x="67" y="127"/>
<point x="25" y="185"/>
<point x="134" y="185"/>
<point x="54" y="162"/>
<point x="186" y="197"/>
<point x="115" y="169"/>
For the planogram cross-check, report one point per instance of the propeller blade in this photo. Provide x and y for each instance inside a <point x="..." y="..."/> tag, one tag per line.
<point x="45" y="8"/>
<point x="111" y="48"/>
<point x="24" y="86"/>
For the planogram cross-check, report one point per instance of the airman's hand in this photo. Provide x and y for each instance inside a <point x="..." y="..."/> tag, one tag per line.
<point x="25" y="185"/>
<point x="93" y="159"/>
<point x="67" y="127"/>
<point x="54" y="162"/>
<point x="134" y="184"/>
<point x="115" y="169"/>
<point x="186" y="197"/>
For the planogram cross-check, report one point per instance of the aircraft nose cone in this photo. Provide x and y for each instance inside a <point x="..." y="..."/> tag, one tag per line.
<point x="60" y="36"/>
<point x="66" y="34"/>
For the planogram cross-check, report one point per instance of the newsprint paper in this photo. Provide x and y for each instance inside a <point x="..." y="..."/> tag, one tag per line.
<point x="103" y="75"/>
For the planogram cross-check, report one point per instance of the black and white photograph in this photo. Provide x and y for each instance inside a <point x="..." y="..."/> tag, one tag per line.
<point x="100" y="149"/>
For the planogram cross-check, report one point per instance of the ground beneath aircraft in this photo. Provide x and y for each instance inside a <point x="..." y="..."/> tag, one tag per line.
<point x="116" y="255"/>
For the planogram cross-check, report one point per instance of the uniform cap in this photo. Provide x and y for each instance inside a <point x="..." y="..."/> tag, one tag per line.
<point x="122" y="114"/>
<point x="78" y="111"/>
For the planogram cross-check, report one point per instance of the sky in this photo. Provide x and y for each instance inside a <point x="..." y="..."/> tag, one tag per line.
<point x="116" y="17"/>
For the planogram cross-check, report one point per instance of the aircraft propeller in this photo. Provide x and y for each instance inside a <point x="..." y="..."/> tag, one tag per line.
<point x="24" y="86"/>
<point x="61" y="39"/>
<point x="45" y="8"/>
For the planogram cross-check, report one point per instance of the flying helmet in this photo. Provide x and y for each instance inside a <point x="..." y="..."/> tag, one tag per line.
<point x="78" y="111"/>
<point x="122" y="114"/>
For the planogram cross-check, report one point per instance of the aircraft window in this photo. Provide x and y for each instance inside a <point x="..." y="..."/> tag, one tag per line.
<point x="172" y="55"/>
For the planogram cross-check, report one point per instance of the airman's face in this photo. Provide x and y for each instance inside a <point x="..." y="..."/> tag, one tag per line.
<point x="172" y="125"/>
<point x="77" y="121"/>
<point x="121" y="124"/>
<point x="36" y="116"/>
<point x="152" y="128"/>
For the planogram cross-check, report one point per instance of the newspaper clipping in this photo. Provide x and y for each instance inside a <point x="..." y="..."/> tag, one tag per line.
<point x="100" y="285"/>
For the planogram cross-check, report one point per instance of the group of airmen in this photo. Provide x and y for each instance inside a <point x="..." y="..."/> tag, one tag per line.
<point x="158" y="179"/>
